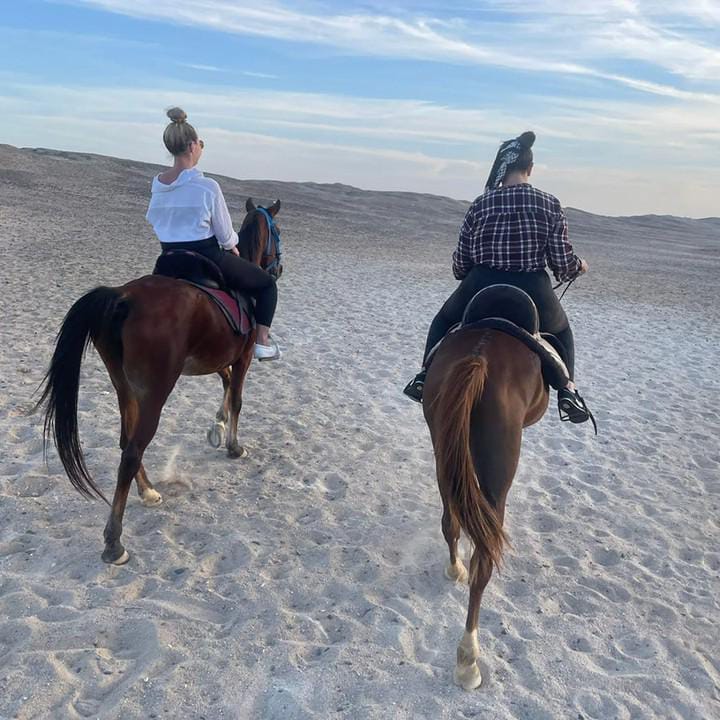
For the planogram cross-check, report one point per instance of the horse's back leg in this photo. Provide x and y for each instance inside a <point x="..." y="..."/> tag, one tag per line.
<point x="455" y="570"/>
<point x="239" y="371"/>
<point x="149" y="496"/>
<point x="138" y="437"/>
<point x="496" y="476"/>
<point x="467" y="672"/>
<point x="128" y="405"/>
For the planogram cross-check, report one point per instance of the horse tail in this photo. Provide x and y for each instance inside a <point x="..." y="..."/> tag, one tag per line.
<point x="463" y="386"/>
<point x="97" y="315"/>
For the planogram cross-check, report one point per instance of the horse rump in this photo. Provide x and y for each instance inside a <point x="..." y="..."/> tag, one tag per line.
<point x="458" y="481"/>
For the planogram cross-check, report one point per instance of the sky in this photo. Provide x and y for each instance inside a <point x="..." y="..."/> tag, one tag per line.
<point x="624" y="95"/>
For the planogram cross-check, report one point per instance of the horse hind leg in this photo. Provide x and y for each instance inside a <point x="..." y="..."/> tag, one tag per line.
<point x="149" y="496"/>
<point x="216" y="433"/>
<point x="138" y="437"/>
<point x="455" y="570"/>
<point x="467" y="672"/>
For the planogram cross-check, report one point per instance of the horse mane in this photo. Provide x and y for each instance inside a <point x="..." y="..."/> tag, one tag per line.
<point x="249" y="237"/>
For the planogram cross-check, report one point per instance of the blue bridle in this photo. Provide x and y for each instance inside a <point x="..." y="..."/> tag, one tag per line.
<point x="273" y="243"/>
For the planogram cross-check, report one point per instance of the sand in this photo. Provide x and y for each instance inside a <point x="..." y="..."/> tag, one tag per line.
<point x="306" y="581"/>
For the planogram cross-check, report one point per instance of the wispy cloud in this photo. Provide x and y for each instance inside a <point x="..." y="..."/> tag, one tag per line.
<point x="36" y="36"/>
<point x="678" y="37"/>
<point x="204" y="68"/>
<point x="551" y="36"/>
<point x="216" y="69"/>
<point x="386" y="121"/>
<point x="262" y="76"/>
<point x="392" y="144"/>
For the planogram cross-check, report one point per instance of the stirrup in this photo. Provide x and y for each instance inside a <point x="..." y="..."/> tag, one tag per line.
<point x="574" y="409"/>
<point x="414" y="389"/>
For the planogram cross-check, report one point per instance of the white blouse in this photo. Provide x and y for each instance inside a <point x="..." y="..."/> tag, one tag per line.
<point x="191" y="208"/>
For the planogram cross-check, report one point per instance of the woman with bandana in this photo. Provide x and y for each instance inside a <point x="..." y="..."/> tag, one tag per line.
<point x="510" y="234"/>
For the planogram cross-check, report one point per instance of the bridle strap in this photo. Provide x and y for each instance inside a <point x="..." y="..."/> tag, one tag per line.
<point x="273" y="243"/>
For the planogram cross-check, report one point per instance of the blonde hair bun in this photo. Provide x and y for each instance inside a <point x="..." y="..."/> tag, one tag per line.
<point x="179" y="134"/>
<point x="177" y="115"/>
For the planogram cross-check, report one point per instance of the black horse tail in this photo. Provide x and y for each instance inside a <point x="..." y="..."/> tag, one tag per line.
<point x="96" y="316"/>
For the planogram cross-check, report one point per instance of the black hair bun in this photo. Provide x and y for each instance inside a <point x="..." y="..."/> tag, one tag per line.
<point x="527" y="139"/>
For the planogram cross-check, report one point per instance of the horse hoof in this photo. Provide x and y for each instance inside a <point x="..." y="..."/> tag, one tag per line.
<point x="457" y="573"/>
<point x="238" y="452"/>
<point x="215" y="435"/>
<point x="468" y="677"/>
<point x="107" y="558"/>
<point x="151" y="498"/>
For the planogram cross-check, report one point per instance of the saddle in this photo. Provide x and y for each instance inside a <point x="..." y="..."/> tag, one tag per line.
<point x="204" y="274"/>
<point x="512" y="311"/>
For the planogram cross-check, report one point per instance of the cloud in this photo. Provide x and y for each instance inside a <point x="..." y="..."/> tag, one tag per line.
<point x="550" y="36"/>
<point x="263" y="76"/>
<point x="677" y="37"/>
<point x="204" y="68"/>
<point x="40" y="37"/>
<point x="393" y="144"/>
<point x="215" y="69"/>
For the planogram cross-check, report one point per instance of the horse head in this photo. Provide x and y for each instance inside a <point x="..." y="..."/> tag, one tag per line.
<point x="259" y="237"/>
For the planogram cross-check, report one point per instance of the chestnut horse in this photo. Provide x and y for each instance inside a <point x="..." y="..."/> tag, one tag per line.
<point x="482" y="388"/>
<point x="148" y="333"/>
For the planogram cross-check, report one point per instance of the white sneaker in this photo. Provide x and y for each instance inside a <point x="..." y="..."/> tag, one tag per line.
<point x="267" y="352"/>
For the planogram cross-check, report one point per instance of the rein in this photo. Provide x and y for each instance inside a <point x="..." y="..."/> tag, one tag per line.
<point x="567" y="287"/>
<point x="273" y="244"/>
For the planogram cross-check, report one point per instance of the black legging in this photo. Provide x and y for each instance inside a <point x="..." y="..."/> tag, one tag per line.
<point x="536" y="284"/>
<point x="240" y="274"/>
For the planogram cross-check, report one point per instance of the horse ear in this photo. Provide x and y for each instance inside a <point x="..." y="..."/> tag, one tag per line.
<point x="249" y="205"/>
<point x="274" y="208"/>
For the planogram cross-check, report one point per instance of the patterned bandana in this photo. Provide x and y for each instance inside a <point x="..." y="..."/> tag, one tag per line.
<point x="508" y="153"/>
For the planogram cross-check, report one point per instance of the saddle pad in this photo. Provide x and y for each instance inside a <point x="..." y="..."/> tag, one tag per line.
<point x="554" y="370"/>
<point x="236" y="308"/>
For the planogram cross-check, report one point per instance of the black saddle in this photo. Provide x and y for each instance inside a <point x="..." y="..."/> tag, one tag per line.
<point x="511" y="310"/>
<point x="204" y="274"/>
<point x="190" y="266"/>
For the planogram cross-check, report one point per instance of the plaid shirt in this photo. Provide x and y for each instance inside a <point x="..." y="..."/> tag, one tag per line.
<point x="517" y="228"/>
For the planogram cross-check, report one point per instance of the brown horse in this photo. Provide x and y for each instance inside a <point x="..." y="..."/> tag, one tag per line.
<point x="148" y="333"/>
<point x="482" y="389"/>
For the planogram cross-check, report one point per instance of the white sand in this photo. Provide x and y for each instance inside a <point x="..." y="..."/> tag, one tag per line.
<point x="306" y="580"/>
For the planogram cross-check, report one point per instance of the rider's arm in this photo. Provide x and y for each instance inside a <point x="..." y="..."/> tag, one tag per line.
<point x="221" y="222"/>
<point x="563" y="261"/>
<point x="462" y="261"/>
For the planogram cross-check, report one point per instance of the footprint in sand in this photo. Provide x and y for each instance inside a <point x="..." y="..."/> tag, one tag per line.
<point x="598" y="706"/>
<point x="335" y="486"/>
<point x="606" y="557"/>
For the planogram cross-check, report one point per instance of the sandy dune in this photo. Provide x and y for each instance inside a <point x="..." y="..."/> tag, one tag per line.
<point x="306" y="580"/>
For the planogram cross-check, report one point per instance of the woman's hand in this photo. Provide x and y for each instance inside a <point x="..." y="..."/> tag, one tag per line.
<point x="235" y="251"/>
<point x="584" y="267"/>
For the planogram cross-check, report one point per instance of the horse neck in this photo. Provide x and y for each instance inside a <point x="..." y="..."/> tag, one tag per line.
<point x="254" y="249"/>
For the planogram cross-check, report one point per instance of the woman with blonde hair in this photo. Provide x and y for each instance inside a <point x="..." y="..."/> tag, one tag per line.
<point x="188" y="212"/>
